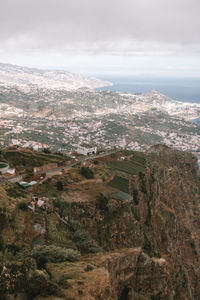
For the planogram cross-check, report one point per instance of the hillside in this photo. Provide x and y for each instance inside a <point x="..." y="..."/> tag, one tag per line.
<point x="37" y="110"/>
<point x="27" y="78"/>
<point x="121" y="227"/>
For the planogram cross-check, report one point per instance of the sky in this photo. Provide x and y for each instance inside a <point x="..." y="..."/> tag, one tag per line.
<point x="136" y="37"/>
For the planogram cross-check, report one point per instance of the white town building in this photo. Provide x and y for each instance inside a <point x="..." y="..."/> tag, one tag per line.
<point x="86" y="149"/>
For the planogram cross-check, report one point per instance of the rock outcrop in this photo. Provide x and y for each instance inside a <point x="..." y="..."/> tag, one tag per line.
<point x="163" y="220"/>
<point x="149" y="244"/>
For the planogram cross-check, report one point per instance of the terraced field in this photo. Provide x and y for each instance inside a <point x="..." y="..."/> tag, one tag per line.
<point x="132" y="165"/>
<point x="120" y="183"/>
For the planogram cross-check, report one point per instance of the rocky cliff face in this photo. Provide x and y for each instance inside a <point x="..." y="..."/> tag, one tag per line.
<point x="128" y="273"/>
<point x="163" y="220"/>
<point x="150" y="242"/>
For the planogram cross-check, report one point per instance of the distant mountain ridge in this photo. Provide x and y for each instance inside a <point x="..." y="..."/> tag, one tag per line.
<point x="25" y="77"/>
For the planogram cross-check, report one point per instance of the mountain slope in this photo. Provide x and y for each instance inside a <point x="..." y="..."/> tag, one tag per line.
<point x="25" y="77"/>
<point x="148" y="244"/>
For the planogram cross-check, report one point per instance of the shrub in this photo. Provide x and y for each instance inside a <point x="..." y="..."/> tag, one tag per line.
<point x="86" y="172"/>
<point x="148" y="218"/>
<point x="23" y="206"/>
<point x="89" y="268"/>
<point x="102" y="201"/>
<point x="64" y="207"/>
<point x="15" y="191"/>
<point x="59" y="185"/>
<point x="63" y="282"/>
<point x="84" y="241"/>
<point x="45" y="150"/>
<point x="13" y="248"/>
<point x="39" y="285"/>
<point x="135" y="196"/>
<point x="142" y="182"/>
<point x="147" y="248"/>
<point x="74" y="225"/>
<point x="44" y="254"/>
<point x="136" y="214"/>
<point x="1" y="242"/>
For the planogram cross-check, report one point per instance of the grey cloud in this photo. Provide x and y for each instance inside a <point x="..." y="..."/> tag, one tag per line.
<point x="100" y="25"/>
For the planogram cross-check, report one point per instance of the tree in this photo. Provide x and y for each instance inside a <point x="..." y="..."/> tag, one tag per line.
<point x="59" y="185"/>
<point x="102" y="201"/>
<point x="87" y="172"/>
<point x="23" y="206"/>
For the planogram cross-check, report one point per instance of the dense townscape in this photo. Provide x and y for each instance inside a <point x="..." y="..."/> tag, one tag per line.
<point x="95" y="192"/>
<point x="42" y="116"/>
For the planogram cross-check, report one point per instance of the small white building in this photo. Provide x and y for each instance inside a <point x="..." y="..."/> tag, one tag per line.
<point x="87" y="149"/>
<point x="40" y="203"/>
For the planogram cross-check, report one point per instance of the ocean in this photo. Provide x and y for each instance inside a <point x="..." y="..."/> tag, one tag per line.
<point x="181" y="89"/>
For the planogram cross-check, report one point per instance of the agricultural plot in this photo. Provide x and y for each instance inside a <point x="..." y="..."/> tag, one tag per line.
<point x="120" y="183"/>
<point x="122" y="196"/>
<point x="135" y="165"/>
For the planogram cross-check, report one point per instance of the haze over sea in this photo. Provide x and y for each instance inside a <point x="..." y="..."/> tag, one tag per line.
<point x="181" y="89"/>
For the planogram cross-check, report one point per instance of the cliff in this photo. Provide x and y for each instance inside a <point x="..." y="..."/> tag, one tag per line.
<point x="145" y="247"/>
<point x="162" y="219"/>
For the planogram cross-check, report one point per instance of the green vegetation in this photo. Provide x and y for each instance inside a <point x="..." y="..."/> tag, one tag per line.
<point x="122" y="196"/>
<point x="57" y="232"/>
<point x="23" y="206"/>
<point x="51" y="253"/>
<point x="136" y="196"/>
<point x="85" y="243"/>
<point x="82" y="238"/>
<point x="149" y="248"/>
<point x="46" y="190"/>
<point x="136" y="213"/>
<point x="28" y="158"/>
<point x="135" y="165"/>
<point x="142" y="182"/>
<point x="87" y="172"/>
<point x="39" y="285"/>
<point x="59" y="185"/>
<point x="15" y="191"/>
<point x="102" y="201"/>
<point x="120" y="183"/>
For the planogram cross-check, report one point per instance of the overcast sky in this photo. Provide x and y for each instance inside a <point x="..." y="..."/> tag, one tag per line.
<point x="159" y="37"/>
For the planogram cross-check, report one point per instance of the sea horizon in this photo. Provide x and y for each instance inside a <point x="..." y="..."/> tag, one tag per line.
<point x="180" y="89"/>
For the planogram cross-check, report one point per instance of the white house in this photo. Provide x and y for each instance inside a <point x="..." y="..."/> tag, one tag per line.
<point x="40" y="203"/>
<point x="87" y="149"/>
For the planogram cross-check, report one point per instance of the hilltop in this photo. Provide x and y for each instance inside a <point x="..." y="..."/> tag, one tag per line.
<point x="122" y="226"/>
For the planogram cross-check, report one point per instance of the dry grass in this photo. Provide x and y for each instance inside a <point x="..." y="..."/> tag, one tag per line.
<point x="86" y="192"/>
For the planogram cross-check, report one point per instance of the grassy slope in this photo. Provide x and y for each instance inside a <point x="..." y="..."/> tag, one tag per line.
<point x="29" y="158"/>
